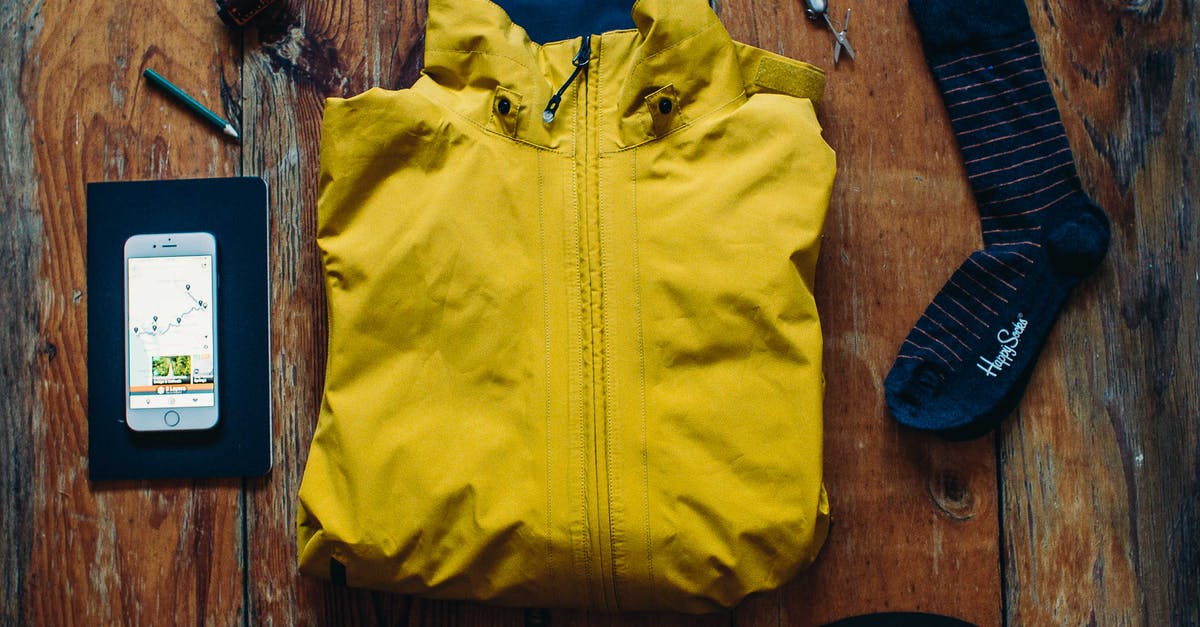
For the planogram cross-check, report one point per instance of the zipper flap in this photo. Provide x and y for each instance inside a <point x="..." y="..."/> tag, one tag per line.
<point x="582" y="58"/>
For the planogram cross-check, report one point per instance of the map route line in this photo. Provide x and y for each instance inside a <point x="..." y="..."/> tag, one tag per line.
<point x="198" y="306"/>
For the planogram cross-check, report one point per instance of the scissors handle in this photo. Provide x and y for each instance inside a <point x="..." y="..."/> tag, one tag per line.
<point x="819" y="9"/>
<point x="815" y="8"/>
<point x="828" y="22"/>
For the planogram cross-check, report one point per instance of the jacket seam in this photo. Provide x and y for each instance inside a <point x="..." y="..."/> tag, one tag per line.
<point x="633" y="71"/>
<point x="611" y="438"/>
<point x="599" y="342"/>
<point x="609" y="393"/>
<point x="641" y="351"/>
<point x="516" y="140"/>
<point x="546" y="342"/>
<point x="690" y="123"/>
<point x="678" y="43"/>
<point x="577" y="310"/>
<point x="485" y="53"/>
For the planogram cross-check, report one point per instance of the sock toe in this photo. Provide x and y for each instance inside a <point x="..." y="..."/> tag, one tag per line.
<point x="1042" y="234"/>
<point x="909" y="389"/>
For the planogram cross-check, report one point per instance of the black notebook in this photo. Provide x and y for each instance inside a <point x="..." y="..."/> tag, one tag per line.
<point x="234" y="211"/>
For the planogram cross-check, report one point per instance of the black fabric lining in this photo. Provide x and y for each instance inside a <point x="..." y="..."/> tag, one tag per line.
<point x="337" y="572"/>
<point x="547" y="21"/>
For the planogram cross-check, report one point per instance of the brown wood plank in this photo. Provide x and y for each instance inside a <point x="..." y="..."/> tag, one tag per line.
<point x="295" y="56"/>
<point x="145" y="553"/>
<point x="21" y="248"/>
<point x="915" y="519"/>
<point x="1101" y="474"/>
<point x="961" y="532"/>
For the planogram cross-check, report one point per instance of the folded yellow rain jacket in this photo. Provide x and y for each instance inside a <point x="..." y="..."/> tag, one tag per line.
<point x="574" y="360"/>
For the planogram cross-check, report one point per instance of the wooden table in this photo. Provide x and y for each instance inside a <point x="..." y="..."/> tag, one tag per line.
<point x="1083" y="508"/>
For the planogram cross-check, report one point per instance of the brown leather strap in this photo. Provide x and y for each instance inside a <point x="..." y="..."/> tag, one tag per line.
<point x="238" y="12"/>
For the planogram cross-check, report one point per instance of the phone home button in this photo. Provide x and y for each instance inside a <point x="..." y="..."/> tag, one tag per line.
<point x="171" y="418"/>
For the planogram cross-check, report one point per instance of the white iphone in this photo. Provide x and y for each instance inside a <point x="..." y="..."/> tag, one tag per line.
<point x="171" y="377"/>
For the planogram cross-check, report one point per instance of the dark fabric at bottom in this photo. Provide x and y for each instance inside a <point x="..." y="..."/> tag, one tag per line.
<point x="900" y="619"/>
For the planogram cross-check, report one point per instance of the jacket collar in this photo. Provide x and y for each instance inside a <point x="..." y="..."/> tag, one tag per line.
<point x="679" y="52"/>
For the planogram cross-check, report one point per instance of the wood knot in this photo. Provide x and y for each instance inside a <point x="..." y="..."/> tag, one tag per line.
<point x="951" y="494"/>
<point x="305" y="57"/>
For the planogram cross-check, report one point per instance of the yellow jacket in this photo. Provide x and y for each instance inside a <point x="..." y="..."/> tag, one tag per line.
<point x="573" y="362"/>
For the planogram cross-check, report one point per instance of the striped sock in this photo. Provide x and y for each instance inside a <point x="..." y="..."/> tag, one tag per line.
<point x="965" y="364"/>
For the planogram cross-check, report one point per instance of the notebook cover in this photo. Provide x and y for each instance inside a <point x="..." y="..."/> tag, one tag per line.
<point x="234" y="210"/>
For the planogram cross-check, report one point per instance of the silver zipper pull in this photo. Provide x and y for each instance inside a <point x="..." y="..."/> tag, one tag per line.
<point x="582" y="58"/>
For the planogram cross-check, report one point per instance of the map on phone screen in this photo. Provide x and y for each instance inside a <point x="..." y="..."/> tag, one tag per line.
<point x="171" y="332"/>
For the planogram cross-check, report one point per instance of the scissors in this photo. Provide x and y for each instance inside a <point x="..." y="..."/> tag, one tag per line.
<point x="815" y="9"/>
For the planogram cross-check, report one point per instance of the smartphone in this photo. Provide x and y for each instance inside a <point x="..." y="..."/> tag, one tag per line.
<point x="171" y="378"/>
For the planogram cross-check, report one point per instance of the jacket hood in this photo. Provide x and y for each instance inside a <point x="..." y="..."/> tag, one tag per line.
<point x="677" y="49"/>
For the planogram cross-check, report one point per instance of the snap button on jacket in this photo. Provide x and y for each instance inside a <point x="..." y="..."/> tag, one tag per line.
<point x="578" y="362"/>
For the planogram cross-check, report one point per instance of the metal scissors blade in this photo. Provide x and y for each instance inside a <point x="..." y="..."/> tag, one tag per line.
<point x="840" y="40"/>
<point x="815" y="9"/>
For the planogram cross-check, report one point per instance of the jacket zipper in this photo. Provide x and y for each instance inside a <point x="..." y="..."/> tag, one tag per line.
<point x="582" y="58"/>
<point x="593" y="324"/>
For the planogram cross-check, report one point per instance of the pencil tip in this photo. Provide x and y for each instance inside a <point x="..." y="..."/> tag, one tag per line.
<point x="229" y="130"/>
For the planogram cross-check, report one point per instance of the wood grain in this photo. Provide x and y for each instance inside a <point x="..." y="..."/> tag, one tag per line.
<point x="915" y="519"/>
<point x="1101" y="473"/>
<point x="161" y="553"/>
<point x="20" y="360"/>
<point x="308" y="52"/>
<point x="1084" y="509"/>
<point x="301" y="53"/>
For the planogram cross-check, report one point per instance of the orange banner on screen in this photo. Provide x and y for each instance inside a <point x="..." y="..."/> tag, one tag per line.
<point x="174" y="388"/>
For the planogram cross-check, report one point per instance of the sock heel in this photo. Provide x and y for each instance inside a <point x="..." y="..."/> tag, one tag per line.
<point x="1078" y="244"/>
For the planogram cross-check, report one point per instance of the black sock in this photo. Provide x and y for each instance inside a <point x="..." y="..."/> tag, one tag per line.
<point x="965" y="364"/>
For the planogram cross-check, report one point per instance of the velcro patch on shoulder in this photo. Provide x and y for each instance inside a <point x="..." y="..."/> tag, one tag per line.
<point x="785" y="76"/>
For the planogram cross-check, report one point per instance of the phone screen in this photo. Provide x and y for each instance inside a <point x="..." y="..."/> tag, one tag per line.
<point x="171" y="345"/>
